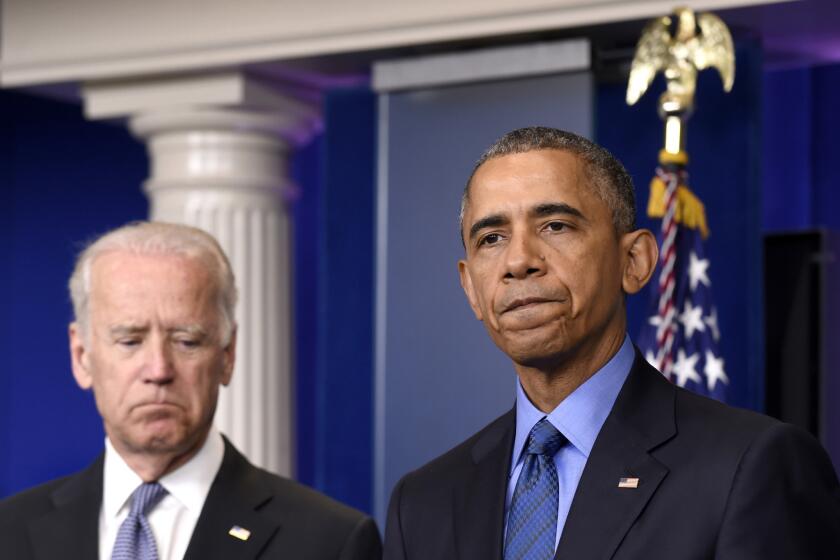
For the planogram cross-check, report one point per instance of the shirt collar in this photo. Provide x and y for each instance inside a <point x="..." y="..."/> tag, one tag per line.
<point x="189" y="484"/>
<point x="579" y="416"/>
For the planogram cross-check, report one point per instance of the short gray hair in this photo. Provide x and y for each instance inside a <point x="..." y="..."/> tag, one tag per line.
<point x="608" y="176"/>
<point x="158" y="238"/>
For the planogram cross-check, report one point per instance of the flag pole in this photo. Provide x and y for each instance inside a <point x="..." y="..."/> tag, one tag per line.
<point x="673" y="159"/>
<point x="679" y="46"/>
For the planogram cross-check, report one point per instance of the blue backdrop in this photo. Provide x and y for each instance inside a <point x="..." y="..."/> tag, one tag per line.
<point x="63" y="180"/>
<point x="334" y="298"/>
<point x="801" y="143"/>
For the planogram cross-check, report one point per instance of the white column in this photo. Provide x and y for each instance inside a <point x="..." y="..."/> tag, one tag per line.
<point x="225" y="171"/>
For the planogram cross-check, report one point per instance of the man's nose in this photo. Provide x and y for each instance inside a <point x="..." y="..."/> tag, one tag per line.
<point x="523" y="257"/>
<point x="159" y="367"/>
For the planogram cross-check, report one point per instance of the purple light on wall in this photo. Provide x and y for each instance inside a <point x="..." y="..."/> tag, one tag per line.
<point x="793" y="33"/>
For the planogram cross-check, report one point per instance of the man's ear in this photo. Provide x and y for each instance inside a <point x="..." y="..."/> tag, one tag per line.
<point x="467" y="285"/>
<point x="640" y="255"/>
<point x="79" y="356"/>
<point x="229" y="358"/>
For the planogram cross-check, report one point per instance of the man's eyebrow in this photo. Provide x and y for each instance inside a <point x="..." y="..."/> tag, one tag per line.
<point x="493" y="220"/>
<point x="195" y="330"/>
<point x="122" y="330"/>
<point x="552" y="208"/>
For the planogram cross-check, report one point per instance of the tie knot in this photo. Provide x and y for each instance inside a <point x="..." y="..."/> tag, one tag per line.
<point x="544" y="439"/>
<point x="145" y="497"/>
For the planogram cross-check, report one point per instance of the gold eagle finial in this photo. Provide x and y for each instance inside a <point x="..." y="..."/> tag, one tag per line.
<point x="697" y="43"/>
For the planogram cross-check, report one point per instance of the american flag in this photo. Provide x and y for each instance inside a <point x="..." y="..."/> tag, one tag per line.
<point x="680" y="336"/>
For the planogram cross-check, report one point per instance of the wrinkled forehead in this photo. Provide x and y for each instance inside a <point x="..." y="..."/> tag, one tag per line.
<point x="521" y="180"/>
<point x="125" y="270"/>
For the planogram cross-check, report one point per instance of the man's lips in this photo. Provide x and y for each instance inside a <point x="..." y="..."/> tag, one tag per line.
<point x="524" y="303"/>
<point x="155" y="411"/>
<point x="155" y="405"/>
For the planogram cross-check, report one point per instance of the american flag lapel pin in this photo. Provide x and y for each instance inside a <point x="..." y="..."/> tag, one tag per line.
<point x="628" y="482"/>
<point x="239" y="532"/>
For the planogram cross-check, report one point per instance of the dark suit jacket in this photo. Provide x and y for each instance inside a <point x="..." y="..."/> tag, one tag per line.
<point x="714" y="482"/>
<point x="60" y="519"/>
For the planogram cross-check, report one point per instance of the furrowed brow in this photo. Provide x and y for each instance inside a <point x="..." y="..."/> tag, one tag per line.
<point x="553" y="208"/>
<point x="493" y="220"/>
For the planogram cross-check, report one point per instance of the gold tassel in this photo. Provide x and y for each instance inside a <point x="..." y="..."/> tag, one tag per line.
<point x="690" y="211"/>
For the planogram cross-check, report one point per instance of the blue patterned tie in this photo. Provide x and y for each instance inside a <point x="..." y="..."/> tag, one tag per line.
<point x="135" y="540"/>
<point x="532" y="519"/>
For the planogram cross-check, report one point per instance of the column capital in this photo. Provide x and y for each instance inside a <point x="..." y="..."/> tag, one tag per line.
<point x="291" y="127"/>
<point x="223" y="100"/>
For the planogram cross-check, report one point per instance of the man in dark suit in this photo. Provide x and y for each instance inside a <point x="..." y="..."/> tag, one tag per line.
<point x="154" y="338"/>
<point x="601" y="457"/>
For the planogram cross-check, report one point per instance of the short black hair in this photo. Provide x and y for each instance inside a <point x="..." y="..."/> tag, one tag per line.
<point x="608" y="176"/>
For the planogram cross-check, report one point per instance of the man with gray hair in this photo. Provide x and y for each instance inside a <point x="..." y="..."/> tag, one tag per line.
<point x="154" y="338"/>
<point x="600" y="458"/>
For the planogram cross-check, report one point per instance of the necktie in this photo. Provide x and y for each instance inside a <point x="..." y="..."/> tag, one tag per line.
<point x="532" y="518"/>
<point x="135" y="540"/>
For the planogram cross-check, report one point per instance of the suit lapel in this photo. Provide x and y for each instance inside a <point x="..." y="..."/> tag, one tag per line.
<point x="601" y="512"/>
<point x="234" y="499"/>
<point x="71" y="530"/>
<point x="480" y="500"/>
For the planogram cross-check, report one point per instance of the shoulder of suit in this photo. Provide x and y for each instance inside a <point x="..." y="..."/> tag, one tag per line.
<point x="723" y="426"/>
<point x="30" y="503"/>
<point x="698" y="412"/>
<point x="714" y="414"/>
<point x="452" y="464"/>
<point x="754" y="442"/>
<point x="308" y="503"/>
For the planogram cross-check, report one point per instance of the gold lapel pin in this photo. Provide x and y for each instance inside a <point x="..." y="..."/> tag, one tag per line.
<point x="630" y="482"/>
<point x="239" y="532"/>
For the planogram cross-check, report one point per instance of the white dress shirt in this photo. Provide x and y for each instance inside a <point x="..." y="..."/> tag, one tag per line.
<point x="173" y="519"/>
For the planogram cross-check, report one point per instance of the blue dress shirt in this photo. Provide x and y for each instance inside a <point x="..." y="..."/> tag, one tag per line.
<point x="579" y="417"/>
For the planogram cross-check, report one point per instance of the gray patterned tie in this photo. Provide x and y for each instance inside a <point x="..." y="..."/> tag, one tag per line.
<point x="135" y="540"/>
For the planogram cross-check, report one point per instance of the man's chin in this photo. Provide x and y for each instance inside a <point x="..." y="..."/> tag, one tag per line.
<point x="536" y="349"/>
<point x="160" y="438"/>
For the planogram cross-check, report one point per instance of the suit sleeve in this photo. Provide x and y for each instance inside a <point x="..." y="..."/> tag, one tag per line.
<point x="784" y="501"/>
<point x="394" y="544"/>
<point x="363" y="543"/>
